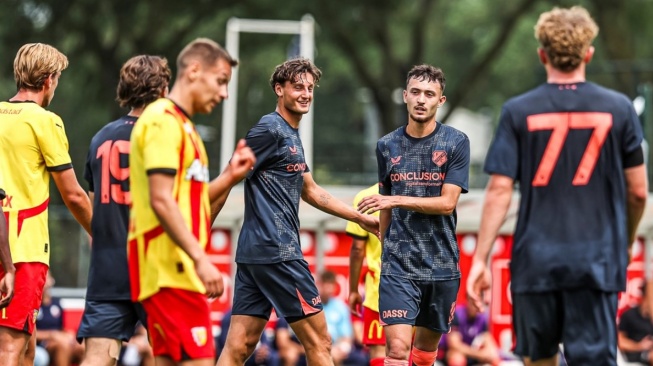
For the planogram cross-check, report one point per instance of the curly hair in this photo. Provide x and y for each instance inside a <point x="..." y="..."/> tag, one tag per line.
<point x="142" y="80"/>
<point x="34" y="63"/>
<point x="427" y="72"/>
<point x="292" y="69"/>
<point x="565" y="35"/>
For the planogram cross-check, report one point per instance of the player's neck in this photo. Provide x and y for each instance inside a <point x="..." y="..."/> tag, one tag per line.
<point x="419" y="130"/>
<point x="293" y="119"/>
<point x="182" y="100"/>
<point x="136" y="112"/>
<point x="24" y="95"/>
<point x="555" y="76"/>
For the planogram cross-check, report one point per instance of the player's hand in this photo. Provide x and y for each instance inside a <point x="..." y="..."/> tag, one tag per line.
<point x="478" y="281"/>
<point x="7" y="289"/>
<point x="355" y="301"/>
<point x="374" y="203"/>
<point x="210" y="276"/>
<point x="370" y="223"/>
<point x="242" y="161"/>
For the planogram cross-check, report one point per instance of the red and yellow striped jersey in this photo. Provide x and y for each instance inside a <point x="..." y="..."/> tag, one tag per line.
<point x="164" y="140"/>
<point x="33" y="143"/>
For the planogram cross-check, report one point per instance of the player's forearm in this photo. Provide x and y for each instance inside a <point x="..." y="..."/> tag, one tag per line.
<point x="495" y="208"/>
<point x="219" y="189"/>
<point x="169" y="215"/>
<point x="80" y="206"/>
<point x="427" y="205"/>
<point x="319" y="198"/>
<point x="356" y="257"/>
<point x="5" y="253"/>
<point x="637" y="193"/>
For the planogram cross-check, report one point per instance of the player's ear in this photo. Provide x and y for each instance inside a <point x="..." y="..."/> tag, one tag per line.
<point x="443" y="99"/>
<point x="588" y="55"/>
<point x="278" y="90"/>
<point x="193" y="70"/>
<point x="405" y="95"/>
<point x="542" y="55"/>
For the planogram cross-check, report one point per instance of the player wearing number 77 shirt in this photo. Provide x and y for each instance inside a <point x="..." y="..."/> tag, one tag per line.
<point x="575" y="149"/>
<point x="110" y="317"/>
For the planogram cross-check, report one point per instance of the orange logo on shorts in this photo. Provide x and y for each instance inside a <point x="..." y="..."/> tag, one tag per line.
<point x="200" y="335"/>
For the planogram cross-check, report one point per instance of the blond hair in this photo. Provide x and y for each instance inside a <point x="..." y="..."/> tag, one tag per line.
<point x="565" y="35"/>
<point x="34" y="63"/>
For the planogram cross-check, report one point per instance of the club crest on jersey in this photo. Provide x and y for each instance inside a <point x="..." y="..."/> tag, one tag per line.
<point x="439" y="157"/>
<point x="293" y="150"/>
<point x="200" y="335"/>
<point x="396" y="160"/>
<point x="197" y="172"/>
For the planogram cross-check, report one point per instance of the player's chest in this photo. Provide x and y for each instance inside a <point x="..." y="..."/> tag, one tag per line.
<point x="422" y="158"/>
<point x="290" y="156"/>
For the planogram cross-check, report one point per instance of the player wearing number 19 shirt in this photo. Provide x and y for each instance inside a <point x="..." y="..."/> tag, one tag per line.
<point x="575" y="149"/>
<point x="110" y="316"/>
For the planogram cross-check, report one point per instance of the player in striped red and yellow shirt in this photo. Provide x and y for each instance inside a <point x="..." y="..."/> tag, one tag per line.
<point x="171" y="214"/>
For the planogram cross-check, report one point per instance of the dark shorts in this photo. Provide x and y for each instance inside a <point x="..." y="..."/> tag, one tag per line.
<point x="288" y="287"/>
<point x="582" y="320"/>
<point x="110" y="319"/>
<point x="428" y="304"/>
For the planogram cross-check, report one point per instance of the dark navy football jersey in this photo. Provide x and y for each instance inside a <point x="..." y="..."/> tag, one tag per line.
<point x="416" y="245"/>
<point x="565" y="144"/>
<point x="270" y="231"/>
<point x="107" y="173"/>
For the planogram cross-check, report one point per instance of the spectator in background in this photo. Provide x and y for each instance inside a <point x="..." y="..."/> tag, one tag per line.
<point x="137" y="352"/>
<point x="291" y="352"/>
<point x="264" y="354"/>
<point x="470" y="342"/>
<point x="635" y="335"/>
<point x="339" y="324"/>
<point x="60" y="344"/>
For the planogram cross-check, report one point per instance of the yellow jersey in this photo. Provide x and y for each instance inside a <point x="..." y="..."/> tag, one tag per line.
<point x="372" y="253"/>
<point x="164" y="140"/>
<point x="33" y="143"/>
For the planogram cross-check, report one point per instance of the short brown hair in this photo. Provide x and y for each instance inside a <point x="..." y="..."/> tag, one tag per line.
<point x="429" y="73"/>
<point x="206" y="51"/>
<point x="328" y="277"/>
<point x="565" y="36"/>
<point x="291" y="69"/>
<point x="33" y="64"/>
<point x="142" y="80"/>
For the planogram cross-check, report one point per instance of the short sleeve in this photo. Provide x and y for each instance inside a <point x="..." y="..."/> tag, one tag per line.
<point x="263" y="144"/>
<point x="385" y="185"/>
<point x="161" y="142"/>
<point x="458" y="168"/>
<point x="633" y="135"/>
<point x="503" y="155"/>
<point x="53" y="142"/>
